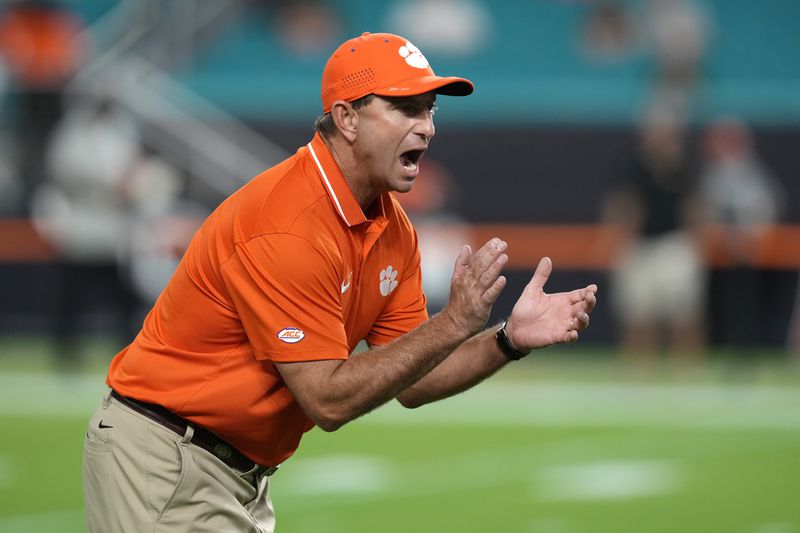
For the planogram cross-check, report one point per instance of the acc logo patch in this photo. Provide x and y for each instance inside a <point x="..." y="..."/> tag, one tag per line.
<point x="291" y="335"/>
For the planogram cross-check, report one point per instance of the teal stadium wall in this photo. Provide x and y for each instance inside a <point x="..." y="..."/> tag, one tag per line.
<point x="532" y="68"/>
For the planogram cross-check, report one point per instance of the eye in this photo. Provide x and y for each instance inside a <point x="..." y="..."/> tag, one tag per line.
<point x="409" y="109"/>
<point x="413" y="109"/>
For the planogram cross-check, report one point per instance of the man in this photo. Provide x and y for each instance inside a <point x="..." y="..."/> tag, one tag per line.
<point x="249" y="345"/>
<point x="739" y="195"/>
<point x="658" y="281"/>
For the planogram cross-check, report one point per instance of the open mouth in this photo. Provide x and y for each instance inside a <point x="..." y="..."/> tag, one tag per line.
<point x="410" y="160"/>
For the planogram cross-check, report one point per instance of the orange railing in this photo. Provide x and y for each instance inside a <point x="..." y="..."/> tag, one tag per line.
<point x="571" y="246"/>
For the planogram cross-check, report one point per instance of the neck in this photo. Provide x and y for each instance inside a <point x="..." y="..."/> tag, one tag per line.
<point x="356" y="178"/>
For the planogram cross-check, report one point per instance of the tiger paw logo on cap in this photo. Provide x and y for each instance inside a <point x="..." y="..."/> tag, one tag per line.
<point x="413" y="56"/>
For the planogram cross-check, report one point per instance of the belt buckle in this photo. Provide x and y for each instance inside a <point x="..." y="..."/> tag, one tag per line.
<point x="223" y="451"/>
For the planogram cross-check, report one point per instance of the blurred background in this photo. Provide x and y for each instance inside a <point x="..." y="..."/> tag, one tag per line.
<point x="648" y="146"/>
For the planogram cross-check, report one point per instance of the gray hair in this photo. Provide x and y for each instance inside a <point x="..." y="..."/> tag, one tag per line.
<point x="324" y="123"/>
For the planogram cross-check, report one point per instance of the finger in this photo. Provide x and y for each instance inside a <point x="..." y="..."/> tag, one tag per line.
<point x="582" y="321"/>
<point x="571" y="336"/>
<point x="485" y="257"/>
<point x="491" y="273"/>
<point x="490" y="296"/>
<point x="589" y="302"/>
<point x="576" y="296"/>
<point x="462" y="261"/>
<point x="540" y="276"/>
<point x="578" y="321"/>
<point x="579" y="295"/>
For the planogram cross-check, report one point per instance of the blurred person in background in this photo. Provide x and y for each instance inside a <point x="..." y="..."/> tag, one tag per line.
<point x="740" y="196"/>
<point x="308" y="27"/>
<point x="447" y="27"/>
<point x="163" y="223"/>
<point x="658" y="282"/>
<point x="251" y="344"/>
<point x="10" y="185"/>
<point x="609" y="31"/>
<point x="678" y="33"/>
<point x="82" y="210"/>
<point x="157" y="243"/>
<point x="42" y="46"/>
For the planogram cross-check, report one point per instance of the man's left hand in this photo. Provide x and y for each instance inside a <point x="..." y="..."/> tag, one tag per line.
<point x="540" y="319"/>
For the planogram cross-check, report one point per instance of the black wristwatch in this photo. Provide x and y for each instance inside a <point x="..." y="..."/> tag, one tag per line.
<point x="505" y="345"/>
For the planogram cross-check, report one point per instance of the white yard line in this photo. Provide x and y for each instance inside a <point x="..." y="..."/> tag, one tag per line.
<point x="33" y="394"/>
<point x="551" y="470"/>
<point x="569" y="404"/>
<point x="609" y="480"/>
<point x="340" y="474"/>
<point x="707" y="406"/>
<point x="565" y="469"/>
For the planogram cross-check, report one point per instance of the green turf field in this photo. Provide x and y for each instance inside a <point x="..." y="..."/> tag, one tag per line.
<point x="566" y="442"/>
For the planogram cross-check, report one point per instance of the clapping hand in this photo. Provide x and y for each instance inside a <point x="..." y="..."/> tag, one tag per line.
<point x="540" y="319"/>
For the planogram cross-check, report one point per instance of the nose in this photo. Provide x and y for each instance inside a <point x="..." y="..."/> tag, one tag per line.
<point x="425" y="128"/>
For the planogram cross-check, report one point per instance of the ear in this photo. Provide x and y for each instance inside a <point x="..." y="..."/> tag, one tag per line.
<point x="345" y="118"/>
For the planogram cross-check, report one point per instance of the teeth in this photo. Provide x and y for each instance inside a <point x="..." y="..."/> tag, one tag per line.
<point x="408" y="161"/>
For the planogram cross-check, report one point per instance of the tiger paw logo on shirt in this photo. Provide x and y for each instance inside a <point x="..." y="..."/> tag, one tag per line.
<point x="291" y="335"/>
<point x="388" y="280"/>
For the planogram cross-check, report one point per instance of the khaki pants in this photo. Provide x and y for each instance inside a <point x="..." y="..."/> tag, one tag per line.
<point x="660" y="279"/>
<point x="139" y="476"/>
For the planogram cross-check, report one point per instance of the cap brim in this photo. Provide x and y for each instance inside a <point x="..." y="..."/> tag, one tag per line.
<point x="448" y="85"/>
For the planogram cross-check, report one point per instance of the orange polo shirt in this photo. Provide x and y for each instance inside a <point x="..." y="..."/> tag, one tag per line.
<point x="286" y="269"/>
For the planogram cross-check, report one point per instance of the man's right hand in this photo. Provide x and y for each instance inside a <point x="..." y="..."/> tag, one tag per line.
<point x="475" y="286"/>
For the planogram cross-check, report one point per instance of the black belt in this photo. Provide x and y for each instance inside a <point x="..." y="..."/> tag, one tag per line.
<point x="202" y="437"/>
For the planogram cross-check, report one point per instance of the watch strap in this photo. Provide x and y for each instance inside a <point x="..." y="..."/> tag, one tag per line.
<point x="505" y="345"/>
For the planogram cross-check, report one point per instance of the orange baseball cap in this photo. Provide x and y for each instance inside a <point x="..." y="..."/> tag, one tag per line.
<point x="386" y="65"/>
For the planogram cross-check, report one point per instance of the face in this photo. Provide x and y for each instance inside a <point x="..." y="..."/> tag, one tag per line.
<point x="393" y="135"/>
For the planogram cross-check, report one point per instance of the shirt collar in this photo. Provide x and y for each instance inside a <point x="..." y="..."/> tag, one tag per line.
<point x="339" y="191"/>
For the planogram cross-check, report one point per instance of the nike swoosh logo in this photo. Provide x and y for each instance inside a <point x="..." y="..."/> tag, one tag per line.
<point x="346" y="284"/>
<point x="103" y="426"/>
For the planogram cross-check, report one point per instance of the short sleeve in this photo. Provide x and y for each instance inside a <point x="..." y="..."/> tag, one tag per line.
<point x="287" y="296"/>
<point x="407" y="306"/>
